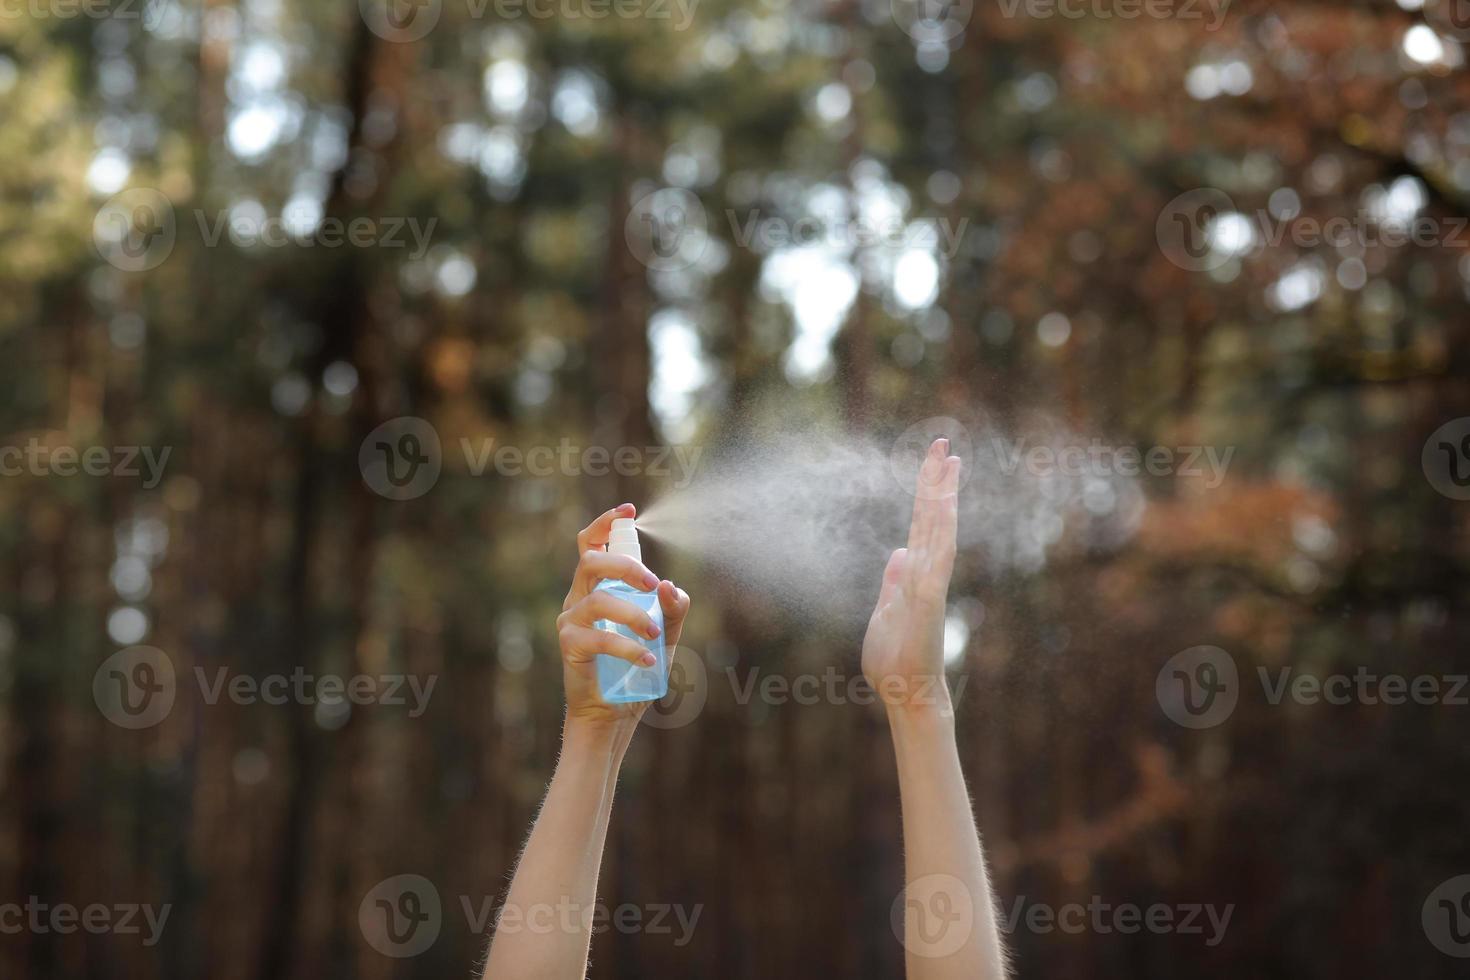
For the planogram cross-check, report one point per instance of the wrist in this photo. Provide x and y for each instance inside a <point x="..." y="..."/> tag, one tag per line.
<point x="934" y="716"/>
<point x="597" y="737"/>
<point x="918" y="695"/>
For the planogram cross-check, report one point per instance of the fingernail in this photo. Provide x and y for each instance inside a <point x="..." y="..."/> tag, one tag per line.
<point x="650" y="581"/>
<point x="625" y="507"/>
<point x="653" y="630"/>
<point x="944" y="447"/>
<point x="648" y="660"/>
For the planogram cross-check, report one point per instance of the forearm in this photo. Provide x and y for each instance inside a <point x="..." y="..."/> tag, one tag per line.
<point x="545" y="926"/>
<point x="950" y="923"/>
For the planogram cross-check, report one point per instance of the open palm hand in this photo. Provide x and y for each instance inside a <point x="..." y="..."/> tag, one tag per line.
<point x="903" y="651"/>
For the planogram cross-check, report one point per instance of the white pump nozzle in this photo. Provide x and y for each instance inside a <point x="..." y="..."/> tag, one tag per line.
<point x="624" y="538"/>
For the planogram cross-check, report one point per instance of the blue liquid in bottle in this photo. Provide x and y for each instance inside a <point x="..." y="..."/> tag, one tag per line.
<point x="619" y="681"/>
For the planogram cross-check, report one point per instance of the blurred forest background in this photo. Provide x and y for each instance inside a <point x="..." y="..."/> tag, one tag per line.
<point x="536" y="313"/>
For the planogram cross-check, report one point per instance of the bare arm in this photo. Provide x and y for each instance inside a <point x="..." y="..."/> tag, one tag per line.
<point x="544" y="931"/>
<point x="950" y="930"/>
<point x="544" y="928"/>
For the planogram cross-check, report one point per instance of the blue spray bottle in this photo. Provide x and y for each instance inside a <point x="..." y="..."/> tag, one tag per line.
<point x="619" y="681"/>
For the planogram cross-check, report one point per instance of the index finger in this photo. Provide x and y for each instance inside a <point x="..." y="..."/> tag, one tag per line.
<point x="944" y="530"/>
<point x="927" y="491"/>
<point x="595" y="535"/>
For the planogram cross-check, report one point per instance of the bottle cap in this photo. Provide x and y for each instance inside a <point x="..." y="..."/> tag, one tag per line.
<point x="624" y="538"/>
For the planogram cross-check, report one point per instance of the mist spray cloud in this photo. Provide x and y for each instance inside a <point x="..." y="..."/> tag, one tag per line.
<point x="808" y="519"/>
